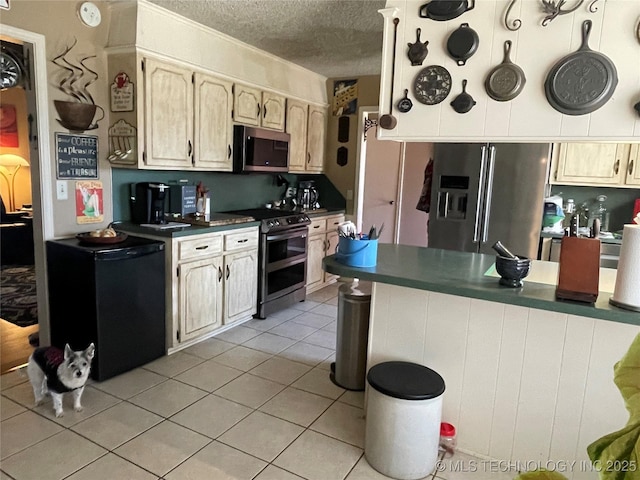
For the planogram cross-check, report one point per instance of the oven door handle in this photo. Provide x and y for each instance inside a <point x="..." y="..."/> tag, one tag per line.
<point x="284" y="236"/>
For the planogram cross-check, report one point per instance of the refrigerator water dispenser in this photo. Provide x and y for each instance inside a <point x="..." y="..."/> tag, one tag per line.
<point x="452" y="197"/>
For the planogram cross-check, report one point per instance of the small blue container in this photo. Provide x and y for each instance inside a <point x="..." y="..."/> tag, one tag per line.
<point x="357" y="253"/>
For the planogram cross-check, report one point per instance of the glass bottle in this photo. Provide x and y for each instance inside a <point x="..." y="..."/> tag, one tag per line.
<point x="583" y="215"/>
<point x="569" y="210"/>
<point x="600" y="212"/>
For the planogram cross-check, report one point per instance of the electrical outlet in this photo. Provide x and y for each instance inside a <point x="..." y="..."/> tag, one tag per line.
<point x="62" y="192"/>
<point x="349" y="194"/>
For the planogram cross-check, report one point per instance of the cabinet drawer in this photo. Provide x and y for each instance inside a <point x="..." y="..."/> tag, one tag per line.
<point x="318" y="225"/>
<point x="333" y="222"/>
<point x="241" y="240"/>
<point x="199" y="247"/>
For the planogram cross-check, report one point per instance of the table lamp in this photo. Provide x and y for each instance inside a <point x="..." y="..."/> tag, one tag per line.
<point x="9" y="166"/>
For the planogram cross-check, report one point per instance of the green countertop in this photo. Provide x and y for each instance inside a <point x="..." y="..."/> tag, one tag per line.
<point x="463" y="274"/>
<point x="185" y="231"/>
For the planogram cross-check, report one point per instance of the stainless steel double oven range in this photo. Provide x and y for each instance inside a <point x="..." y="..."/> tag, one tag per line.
<point x="282" y="262"/>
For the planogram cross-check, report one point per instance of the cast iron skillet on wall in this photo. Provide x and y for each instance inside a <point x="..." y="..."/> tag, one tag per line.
<point x="462" y="43"/>
<point x="443" y="10"/>
<point x="583" y="81"/>
<point x="505" y="81"/>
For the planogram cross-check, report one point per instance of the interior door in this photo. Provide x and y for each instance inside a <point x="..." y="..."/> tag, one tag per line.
<point x="381" y="185"/>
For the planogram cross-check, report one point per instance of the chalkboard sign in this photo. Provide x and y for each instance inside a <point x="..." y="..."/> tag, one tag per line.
<point x="76" y="156"/>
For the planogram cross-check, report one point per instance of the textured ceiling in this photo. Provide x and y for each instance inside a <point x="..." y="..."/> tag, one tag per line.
<point x="335" y="38"/>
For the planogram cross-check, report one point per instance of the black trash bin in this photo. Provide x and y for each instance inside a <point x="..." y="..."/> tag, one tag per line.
<point x="354" y="305"/>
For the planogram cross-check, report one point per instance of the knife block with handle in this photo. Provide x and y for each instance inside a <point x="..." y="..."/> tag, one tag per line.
<point x="579" y="271"/>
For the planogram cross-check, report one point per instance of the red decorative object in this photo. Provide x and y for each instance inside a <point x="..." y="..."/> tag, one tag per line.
<point x="8" y="126"/>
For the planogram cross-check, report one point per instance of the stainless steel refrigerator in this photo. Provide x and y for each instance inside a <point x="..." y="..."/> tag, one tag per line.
<point x="484" y="192"/>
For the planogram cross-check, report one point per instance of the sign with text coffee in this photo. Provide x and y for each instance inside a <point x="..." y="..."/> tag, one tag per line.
<point x="76" y="156"/>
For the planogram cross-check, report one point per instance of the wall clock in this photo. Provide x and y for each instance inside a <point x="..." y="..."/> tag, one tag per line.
<point x="89" y="13"/>
<point x="10" y="71"/>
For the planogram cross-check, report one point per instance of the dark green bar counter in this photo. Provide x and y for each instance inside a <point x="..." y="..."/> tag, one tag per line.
<point x="463" y="274"/>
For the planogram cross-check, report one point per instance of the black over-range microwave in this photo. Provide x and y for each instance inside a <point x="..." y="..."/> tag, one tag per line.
<point x="260" y="150"/>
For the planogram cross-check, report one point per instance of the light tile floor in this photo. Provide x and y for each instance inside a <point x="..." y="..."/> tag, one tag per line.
<point x="254" y="402"/>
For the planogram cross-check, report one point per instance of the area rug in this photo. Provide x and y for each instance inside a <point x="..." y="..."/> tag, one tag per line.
<point x="18" y="301"/>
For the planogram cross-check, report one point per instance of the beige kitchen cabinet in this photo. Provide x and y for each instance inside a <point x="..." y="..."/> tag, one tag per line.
<point x="213" y="130"/>
<point x="200" y="297"/>
<point x="597" y="164"/>
<point x="297" y="117"/>
<point x="191" y="127"/>
<point x="307" y="126"/>
<point x="323" y="239"/>
<point x="197" y="287"/>
<point x="168" y="108"/>
<point x="317" y="131"/>
<point x="254" y="107"/>
<point x="240" y="274"/>
<point x="211" y="281"/>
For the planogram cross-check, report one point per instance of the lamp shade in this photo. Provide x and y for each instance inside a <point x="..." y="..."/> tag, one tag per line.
<point x="10" y="160"/>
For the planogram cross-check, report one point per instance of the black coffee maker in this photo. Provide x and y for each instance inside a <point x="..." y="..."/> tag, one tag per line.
<point x="147" y="202"/>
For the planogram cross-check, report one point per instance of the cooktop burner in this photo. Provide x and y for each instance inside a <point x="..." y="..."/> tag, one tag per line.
<point x="273" y="219"/>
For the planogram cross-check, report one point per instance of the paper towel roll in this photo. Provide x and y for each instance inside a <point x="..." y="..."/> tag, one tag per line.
<point x="626" y="293"/>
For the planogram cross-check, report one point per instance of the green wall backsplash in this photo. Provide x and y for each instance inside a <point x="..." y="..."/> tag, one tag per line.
<point x="619" y="202"/>
<point x="227" y="191"/>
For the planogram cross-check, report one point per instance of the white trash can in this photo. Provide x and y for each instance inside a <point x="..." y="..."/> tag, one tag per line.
<point x="402" y="425"/>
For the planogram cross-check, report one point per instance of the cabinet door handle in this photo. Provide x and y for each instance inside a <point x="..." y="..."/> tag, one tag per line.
<point x="219" y="273"/>
<point x="189" y="144"/>
<point x="202" y="247"/>
<point x="308" y="157"/>
<point x="616" y="167"/>
<point x="228" y="272"/>
<point x="264" y="112"/>
<point x="229" y="154"/>
<point x="244" y="240"/>
<point x="316" y="226"/>
<point x="631" y="167"/>
<point x="258" y="111"/>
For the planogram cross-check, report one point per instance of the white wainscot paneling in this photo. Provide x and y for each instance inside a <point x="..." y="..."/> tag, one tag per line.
<point x="522" y="385"/>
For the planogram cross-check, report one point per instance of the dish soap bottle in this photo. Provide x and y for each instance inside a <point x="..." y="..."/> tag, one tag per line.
<point x="600" y="212"/>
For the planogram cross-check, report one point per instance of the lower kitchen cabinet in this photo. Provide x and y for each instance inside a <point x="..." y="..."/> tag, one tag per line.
<point x="323" y="240"/>
<point x="212" y="281"/>
<point x="199" y="297"/>
<point x="241" y="285"/>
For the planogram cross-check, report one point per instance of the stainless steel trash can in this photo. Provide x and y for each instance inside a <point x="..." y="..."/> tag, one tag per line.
<point x="354" y="305"/>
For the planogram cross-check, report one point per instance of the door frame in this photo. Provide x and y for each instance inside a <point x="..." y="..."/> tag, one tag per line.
<point x="361" y="164"/>
<point x="41" y="188"/>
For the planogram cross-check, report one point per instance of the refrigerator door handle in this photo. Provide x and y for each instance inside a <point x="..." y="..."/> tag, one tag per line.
<point x="476" y="224"/>
<point x="489" y="187"/>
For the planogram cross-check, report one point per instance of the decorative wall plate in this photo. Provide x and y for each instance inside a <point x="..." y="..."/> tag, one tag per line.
<point x="432" y="85"/>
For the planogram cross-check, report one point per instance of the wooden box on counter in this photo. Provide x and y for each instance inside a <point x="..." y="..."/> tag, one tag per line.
<point x="579" y="271"/>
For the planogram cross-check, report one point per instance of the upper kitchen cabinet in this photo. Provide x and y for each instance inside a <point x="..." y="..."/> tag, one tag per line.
<point x="613" y="165"/>
<point x="168" y="107"/>
<point x="261" y="109"/>
<point x="174" y="98"/>
<point x="213" y="126"/>
<point x="307" y="126"/>
<point x="526" y="116"/>
<point x="190" y="127"/>
<point x="316" y="134"/>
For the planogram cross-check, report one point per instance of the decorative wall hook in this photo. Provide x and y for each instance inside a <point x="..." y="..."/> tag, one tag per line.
<point x="592" y="6"/>
<point x="553" y="8"/>
<point x="515" y="24"/>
